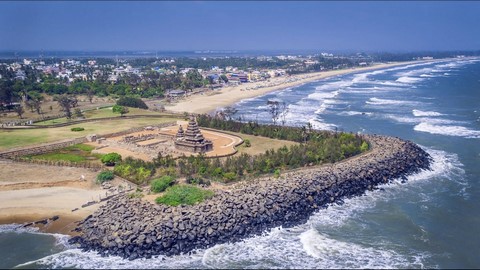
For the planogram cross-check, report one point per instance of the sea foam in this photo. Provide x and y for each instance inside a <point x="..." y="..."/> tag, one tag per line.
<point x="448" y="130"/>
<point x="420" y="113"/>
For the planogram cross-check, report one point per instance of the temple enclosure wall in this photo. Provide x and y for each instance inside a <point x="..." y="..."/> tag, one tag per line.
<point x="133" y="228"/>
<point x="48" y="147"/>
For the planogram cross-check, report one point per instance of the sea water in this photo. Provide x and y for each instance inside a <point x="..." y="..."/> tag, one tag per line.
<point x="431" y="221"/>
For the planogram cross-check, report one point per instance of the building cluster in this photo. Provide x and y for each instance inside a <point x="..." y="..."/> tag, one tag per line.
<point x="70" y="70"/>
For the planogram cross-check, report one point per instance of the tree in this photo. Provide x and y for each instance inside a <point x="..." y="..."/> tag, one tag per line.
<point x="120" y="109"/>
<point x="132" y="102"/>
<point x="35" y="101"/>
<point x="78" y="113"/>
<point x="90" y="93"/>
<point x="19" y="110"/>
<point x="67" y="103"/>
<point x="224" y="78"/>
<point x="274" y="110"/>
<point x="228" y="112"/>
<point x="285" y="109"/>
<point x="111" y="158"/>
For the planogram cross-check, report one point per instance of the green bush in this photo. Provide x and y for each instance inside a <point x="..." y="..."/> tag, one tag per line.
<point x="364" y="147"/>
<point x="135" y="170"/>
<point x="120" y="109"/>
<point x="247" y="143"/>
<point x="104" y="176"/>
<point x="184" y="194"/>
<point x="135" y="194"/>
<point x="111" y="158"/>
<point x="77" y="129"/>
<point x="132" y="102"/>
<point x="197" y="181"/>
<point x="229" y="176"/>
<point x="162" y="183"/>
<point x="276" y="173"/>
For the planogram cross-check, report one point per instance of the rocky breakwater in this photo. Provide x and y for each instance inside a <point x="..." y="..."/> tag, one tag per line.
<point x="133" y="228"/>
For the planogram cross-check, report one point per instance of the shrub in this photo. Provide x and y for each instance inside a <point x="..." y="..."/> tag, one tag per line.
<point x="162" y="183"/>
<point x="364" y="147"/>
<point x="104" y="176"/>
<point x="276" y="173"/>
<point x="132" y="102"/>
<point x="184" y="194"/>
<point x="77" y="129"/>
<point x="120" y="109"/>
<point x="229" y="176"/>
<point x="135" y="170"/>
<point x="197" y="181"/>
<point x="135" y="194"/>
<point x="247" y="143"/>
<point x="111" y="158"/>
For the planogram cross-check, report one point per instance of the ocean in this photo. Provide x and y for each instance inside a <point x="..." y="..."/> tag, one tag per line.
<point x="430" y="221"/>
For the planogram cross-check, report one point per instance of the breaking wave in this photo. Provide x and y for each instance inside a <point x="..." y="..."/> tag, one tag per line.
<point x="448" y="130"/>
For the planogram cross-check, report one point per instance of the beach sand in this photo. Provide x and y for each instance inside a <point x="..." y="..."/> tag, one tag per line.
<point x="31" y="192"/>
<point x="212" y="100"/>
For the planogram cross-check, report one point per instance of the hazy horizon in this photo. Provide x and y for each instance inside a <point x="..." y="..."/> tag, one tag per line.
<point x="242" y="26"/>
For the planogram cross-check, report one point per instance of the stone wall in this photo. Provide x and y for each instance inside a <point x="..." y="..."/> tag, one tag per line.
<point x="25" y="124"/>
<point x="133" y="228"/>
<point x="65" y="143"/>
<point x="41" y="149"/>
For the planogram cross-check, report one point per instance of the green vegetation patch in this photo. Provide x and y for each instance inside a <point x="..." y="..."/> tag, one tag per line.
<point x="77" y="129"/>
<point x="135" y="170"/>
<point x="132" y="102"/>
<point x="76" y="153"/>
<point x="184" y="194"/>
<point x="111" y="159"/>
<point x="55" y="156"/>
<point x="161" y="184"/>
<point x="80" y="147"/>
<point x="105" y="176"/>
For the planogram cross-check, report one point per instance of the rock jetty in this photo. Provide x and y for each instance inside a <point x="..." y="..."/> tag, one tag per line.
<point x="133" y="228"/>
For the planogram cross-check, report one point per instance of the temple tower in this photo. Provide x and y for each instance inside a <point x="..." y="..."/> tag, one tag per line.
<point x="192" y="140"/>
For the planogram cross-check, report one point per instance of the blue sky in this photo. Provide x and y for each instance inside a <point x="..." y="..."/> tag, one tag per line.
<point x="249" y="25"/>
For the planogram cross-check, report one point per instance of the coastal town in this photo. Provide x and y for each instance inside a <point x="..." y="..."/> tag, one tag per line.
<point x="31" y="84"/>
<point x="239" y="135"/>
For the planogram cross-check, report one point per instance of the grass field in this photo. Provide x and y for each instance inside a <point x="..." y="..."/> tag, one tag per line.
<point x="76" y="153"/>
<point x="25" y="137"/>
<point x="259" y="144"/>
<point x="100" y="113"/>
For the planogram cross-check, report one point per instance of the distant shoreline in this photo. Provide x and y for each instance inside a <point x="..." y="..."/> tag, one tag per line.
<point x="211" y="101"/>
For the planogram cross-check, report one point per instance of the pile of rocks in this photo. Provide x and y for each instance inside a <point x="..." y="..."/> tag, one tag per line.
<point x="133" y="228"/>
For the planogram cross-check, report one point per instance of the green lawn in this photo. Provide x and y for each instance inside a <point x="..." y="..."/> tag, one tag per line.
<point x="24" y="137"/>
<point x="56" y="156"/>
<point x="184" y="194"/>
<point x="100" y="113"/>
<point x="75" y="153"/>
<point x="259" y="144"/>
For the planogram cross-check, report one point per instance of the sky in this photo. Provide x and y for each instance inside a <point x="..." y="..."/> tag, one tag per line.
<point x="242" y="25"/>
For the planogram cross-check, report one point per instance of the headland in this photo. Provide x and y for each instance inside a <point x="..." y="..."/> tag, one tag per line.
<point x="133" y="228"/>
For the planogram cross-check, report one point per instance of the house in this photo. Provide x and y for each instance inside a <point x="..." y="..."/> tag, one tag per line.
<point x="175" y="93"/>
<point x="20" y="75"/>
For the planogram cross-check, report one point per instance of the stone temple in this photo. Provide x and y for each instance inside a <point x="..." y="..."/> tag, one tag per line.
<point x="192" y="140"/>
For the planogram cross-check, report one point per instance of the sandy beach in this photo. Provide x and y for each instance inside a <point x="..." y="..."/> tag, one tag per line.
<point x="212" y="100"/>
<point x="32" y="192"/>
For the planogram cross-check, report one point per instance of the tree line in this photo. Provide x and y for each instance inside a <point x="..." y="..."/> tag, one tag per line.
<point x="314" y="148"/>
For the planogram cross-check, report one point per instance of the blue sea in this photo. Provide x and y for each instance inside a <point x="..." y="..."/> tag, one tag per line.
<point x="431" y="221"/>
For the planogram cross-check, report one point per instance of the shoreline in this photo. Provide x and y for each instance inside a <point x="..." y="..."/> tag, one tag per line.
<point x="53" y="191"/>
<point x="132" y="228"/>
<point x="211" y="101"/>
